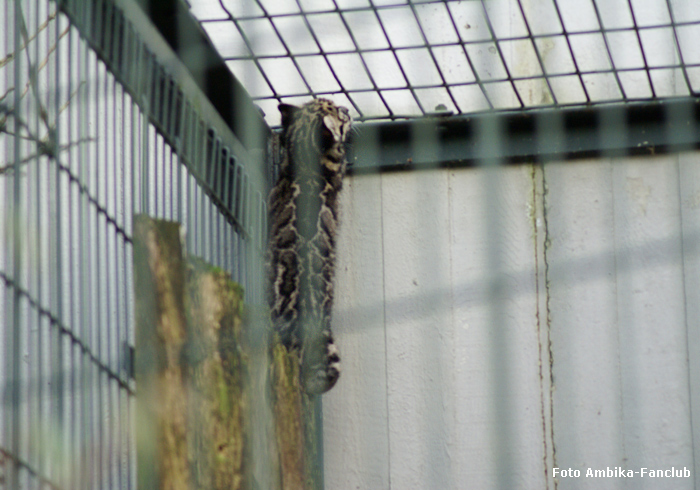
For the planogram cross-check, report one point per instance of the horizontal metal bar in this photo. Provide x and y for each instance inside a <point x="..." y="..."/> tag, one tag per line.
<point x="651" y="128"/>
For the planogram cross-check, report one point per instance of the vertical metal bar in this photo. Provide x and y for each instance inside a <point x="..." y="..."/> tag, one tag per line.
<point x="188" y="202"/>
<point x="125" y="357"/>
<point x="238" y="195"/>
<point x="212" y="153"/>
<point x="489" y="140"/>
<point x="199" y="158"/>
<point x="194" y="218"/>
<point x="167" y="149"/>
<point x="249" y="280"/>
<point x="209" y="229"/>
<point x="165" y="101"/>
<point x="187" y="133"/>
<point x="109" y="223"/>
<point x="112" y="272"/>
<point x="57" y="413"/>
<point x="153" y="166"/>
<point x="149" y="79"/>
<point x="111" y="359"/>
<point x="81" y="390"/>
<point x="97" y="245"/>
<point x="137" y="73"/>
<point x="222" y="163"/>
<point x="182" y="156"/>
<point x="68" y="393"/>
<point x="201" y="225"/>
<point x="174" y="163"/>
<point x="174" y="190"/>
<point x="117" y="347"/>
<point x="218" y="245"/>
<point x="51" y="242"/>
<point x="129" y="402"/>
<point x="14" y="255"/>
<point x="241" y="260"/>
<point x="245" y="220"/>
<point x="163" y="188"/>
<point x="34" y="203"/>
<point x="221" y="159"/>
<point x="7" y="37"/>
<point x="229" y="165"/>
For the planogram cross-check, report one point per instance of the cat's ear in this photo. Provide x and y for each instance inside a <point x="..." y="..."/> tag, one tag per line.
<point x="287" y="111"/>
<point x="334" y="125"/>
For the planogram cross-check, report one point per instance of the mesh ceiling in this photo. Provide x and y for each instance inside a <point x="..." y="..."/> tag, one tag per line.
<point x="396" y="59"/>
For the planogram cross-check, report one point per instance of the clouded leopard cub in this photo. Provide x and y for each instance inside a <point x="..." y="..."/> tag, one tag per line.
<point x="303" y="208"/>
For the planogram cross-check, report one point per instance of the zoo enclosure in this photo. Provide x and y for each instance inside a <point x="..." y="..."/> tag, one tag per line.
<point x="74" y="179"/>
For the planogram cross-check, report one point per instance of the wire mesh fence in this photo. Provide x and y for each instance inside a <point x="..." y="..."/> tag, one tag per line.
<point x="394" y="59"/>
<point x="499" y="322"/>
<point x="93" y="130"/>
<point x="494" y="322"/>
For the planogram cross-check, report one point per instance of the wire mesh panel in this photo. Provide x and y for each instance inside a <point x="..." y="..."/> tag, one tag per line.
<point x="93" y="129"/>
<point x="501" y="323"/>
<point x="495" y="323"/>
<point x="393" y="59"/>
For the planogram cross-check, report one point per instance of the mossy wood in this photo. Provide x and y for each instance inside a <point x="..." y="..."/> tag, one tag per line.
<point x="195" y="379"/>
<point x="190" y="367"/>
<point x="297" y="421"/>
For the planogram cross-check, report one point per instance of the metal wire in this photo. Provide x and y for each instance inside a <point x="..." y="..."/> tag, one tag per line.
<point x="94" y="129"/>
<point x="475" y="51"/>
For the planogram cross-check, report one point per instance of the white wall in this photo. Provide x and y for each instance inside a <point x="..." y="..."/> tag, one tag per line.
<point x="496" y="324"/>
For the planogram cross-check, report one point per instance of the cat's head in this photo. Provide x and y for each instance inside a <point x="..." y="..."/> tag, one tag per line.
<point x="318" y="128"/>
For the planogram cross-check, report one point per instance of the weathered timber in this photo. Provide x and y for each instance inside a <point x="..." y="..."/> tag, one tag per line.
<point x="216" y="408"/>
<point x="161" y="331"/>
<point x="297" y="430"/>
<point x="191" y="367"/>
<point x="217" y="363"/>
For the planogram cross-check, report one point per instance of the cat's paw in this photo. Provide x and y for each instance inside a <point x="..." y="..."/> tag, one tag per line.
<point x="319" y="373"/>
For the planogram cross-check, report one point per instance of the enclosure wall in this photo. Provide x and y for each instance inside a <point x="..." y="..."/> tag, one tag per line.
<point x="496" y="323"/>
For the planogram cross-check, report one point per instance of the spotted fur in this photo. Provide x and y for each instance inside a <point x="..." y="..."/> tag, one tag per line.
<point x="303" y="222"/>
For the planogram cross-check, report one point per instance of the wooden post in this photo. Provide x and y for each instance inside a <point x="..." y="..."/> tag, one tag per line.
<point x="297" y="430"/>
<point x="159" y="276"/>
<point x="201" y="381"/>
<point x="190" y="367"/>
<point x="218" y="362"/>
